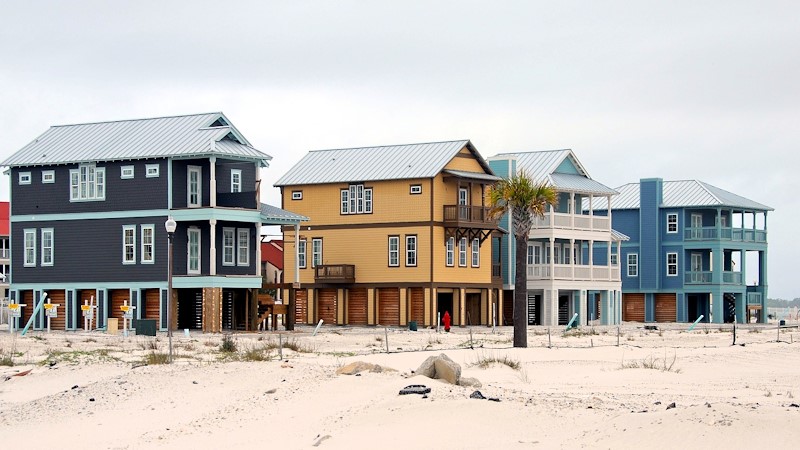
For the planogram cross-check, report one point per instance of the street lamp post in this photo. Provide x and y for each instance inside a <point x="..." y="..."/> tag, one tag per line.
<point x="170" y="225"/>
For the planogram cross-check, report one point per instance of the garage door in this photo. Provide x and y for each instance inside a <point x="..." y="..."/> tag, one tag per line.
<point x="666" y="310"/>
<point x="326" y="305"/>
<point x="27" y="300"/>
<point x="357" y="307"/>
<point x="152" y="302"/>
<point x="58" y="298"/>
<point x="633" y="307"/>
<point x="418" y="305"/>
<point x="117" y="298"/>
<point x="389" y="306"/>
<point x="301" y="306"/>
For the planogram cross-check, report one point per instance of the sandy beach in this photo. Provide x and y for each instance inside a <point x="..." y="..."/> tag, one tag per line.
<point x="588" y="388"/>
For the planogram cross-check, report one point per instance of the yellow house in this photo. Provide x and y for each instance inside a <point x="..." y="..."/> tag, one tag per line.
<point x="396" y="234"/>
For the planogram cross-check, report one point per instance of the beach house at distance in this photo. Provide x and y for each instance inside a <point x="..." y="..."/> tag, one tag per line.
<point x="89" y="204"/>
<point x="5" y="249"/>
<point x="397" y="234"/>
<point x="688" y="252"/>
<point x="572" y="260"/>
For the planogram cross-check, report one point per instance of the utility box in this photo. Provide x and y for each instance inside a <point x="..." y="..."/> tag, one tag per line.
<point x="145" y="327"/>
<point x="412" y="325"/>
<point x="113" y="325"/>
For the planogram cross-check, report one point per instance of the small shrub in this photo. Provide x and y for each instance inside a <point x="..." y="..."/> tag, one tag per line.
<point x="228" y="344"/>
<point x="154" y="358"/>
<point x="257" y="353"/>
<point x="152" y="345"/>
<point x="295" y="345"/>
<point x="486" y="361"/>
<point x="651" y="362"/>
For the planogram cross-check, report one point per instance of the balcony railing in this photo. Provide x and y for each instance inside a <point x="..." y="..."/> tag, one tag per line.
<point x="465" y="216"/>
<point x="335" y="273"/>
<point x="754" y="299"/>
<point x="497" y="271"/>
<point x="732" y="277"/>
<point x="573" y="222"/>
<point x="577" y="272"/>
<point x="5" y="253"/>
<point x="724" y="234"/>
<point x="706" y="277"/>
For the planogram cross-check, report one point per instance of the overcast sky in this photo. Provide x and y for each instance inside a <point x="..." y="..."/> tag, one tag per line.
<point x="678" y="90"/>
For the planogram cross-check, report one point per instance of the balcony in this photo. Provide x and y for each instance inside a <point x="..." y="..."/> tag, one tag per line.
<point x="335" y="273"/>
<point x="577" y="272"/>
<point x="5" y="253"/>
<point x="465" y="216"/>
<point x="724" y="234"/>
<point x="706" y="277"/>
<point x="497" y="271"/>
<point x="573" y="222"/>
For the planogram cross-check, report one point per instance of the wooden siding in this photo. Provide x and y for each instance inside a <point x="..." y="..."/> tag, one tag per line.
<point x="633" y="307"/>
<point x="357" y="306"/>
<point x="27" y="310"/>
<point x="152" y="304"/>
<point x="58" y="297"/>
<point x="417" y="309"/>
<point x="389" y="306"/>
<point x="116" y="297"/>
<point x="326" y="305"/>
<point x="301" y="306"/>
<point x="666" y="308"/>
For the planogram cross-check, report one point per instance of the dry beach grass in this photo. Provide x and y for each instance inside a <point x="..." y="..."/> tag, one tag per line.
<point x="92" y="390"/>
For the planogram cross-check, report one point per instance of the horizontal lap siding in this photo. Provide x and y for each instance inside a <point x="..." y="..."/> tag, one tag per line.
<point x="58" y="298"/>
<point x="301" y="306"/>
<point x="633" y="307"/>
<point x="116" y="299"/>
<point x="27" y="310"/>
<point x="418" y="305"/>
<point x="666" y="308"/>
<point x="357" y="307"/>
<point x="326" y="306"/>
<point x="389" y="306"/>
<point x="152" y="299"/>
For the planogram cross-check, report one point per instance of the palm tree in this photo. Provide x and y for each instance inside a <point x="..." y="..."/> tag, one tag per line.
<point x="525" y="200"/>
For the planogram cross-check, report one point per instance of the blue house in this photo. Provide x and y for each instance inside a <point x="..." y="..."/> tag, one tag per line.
<point x="688" y="252"/>
<point x="573" y="253"/>
<point x="89" y="204"/>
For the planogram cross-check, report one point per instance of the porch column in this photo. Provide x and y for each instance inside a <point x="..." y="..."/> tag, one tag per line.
<point x="583" y="306"/>
<point x="552" y="258"/>
<point x="572" y="257"/>
<point x="608" y="261"/>
<point x="608" y="200"/>
<point x="591" y="259"/>
<point x="591" y="213"/>
<point x="552" y="219"/>
<point x="258" y="251"/>
<point x="619" y="255"/>
<point x="213" y="181"/>
<point x="572" y="210"/>
<point x="212" y="250"/>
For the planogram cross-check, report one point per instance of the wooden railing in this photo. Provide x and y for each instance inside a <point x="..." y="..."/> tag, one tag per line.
<point x="465" y="216"/>
<point x="335" y="273"/>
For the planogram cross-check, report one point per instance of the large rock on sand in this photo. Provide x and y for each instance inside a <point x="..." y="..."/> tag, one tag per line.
<point x="441" y="368"/>
<point x="358" y="366"/>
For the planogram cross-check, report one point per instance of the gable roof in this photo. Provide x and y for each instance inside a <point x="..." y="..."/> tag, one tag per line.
<point x="196" y="135"/>
<point x="390" y="162"/>
<point x="272" y="254"/>
<point x="542" y="166"/>
<point x="682" y="194"/>
<point x="4" y="219"/>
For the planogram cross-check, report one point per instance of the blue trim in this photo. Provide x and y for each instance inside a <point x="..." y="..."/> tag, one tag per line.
<point x="169" y="183"/>
<point x="241" y="282"/>
<point x="230" y="215"/>
<point x="88" y="216"/>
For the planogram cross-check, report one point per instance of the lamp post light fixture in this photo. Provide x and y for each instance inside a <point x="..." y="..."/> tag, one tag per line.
<point x="170" y="226"/>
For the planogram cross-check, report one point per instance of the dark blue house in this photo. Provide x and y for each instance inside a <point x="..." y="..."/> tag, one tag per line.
<point x="89" y="204"/>
<point x="690" y="243"/>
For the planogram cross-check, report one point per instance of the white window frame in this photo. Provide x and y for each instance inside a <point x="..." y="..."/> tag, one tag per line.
<point x="394" y="251"/>
<point x="87" y="183"/>
<point x="672" y="221"/>
<point x="450" y="252"/>
<point x="356" y="199"/>
<point x="297" y="195"/>
<point x="127" y="172"/>
<point x="633" y="265"/>
<point x="47" y="250"/>
<point x="614" y="261"/>
<point x="301" y="253"/>
<point x="199" y="258"/>
<point x="415" y="189"/>
<point x="242" y="246"/>
<point x="29" y="258"/>
<point x="145" y="244"/>
<point x="411" y="250"/>
<point x="476" y="252"/>
<point x="24" y="178"/>
<point x="344" y="197"/>
<point x="152" y="171"/>
<point x="126" y="229"/>
<point x="316" y="252"/>
<point x="462" y="252"/>
<point x="672" y="267"/>
<point x="228" y="246"/>
<point x="48" y="176"/>
<point x="236" y="180"/>
<point x="529" y="258"/>
<point x="199" y="194"/>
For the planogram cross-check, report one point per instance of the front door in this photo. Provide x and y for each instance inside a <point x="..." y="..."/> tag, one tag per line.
<point x="697" y="267"/>
<point x="463" y="202"/>
<point x="697" y="225"/>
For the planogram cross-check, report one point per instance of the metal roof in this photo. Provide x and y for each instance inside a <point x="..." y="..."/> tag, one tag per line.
<point x="473" y="175"/>
<point x="272" y="215"/>
<point x="391" y="162"/>
<point x="160" y="137"/>
<point x="541" y="167"/>
<point x="617" y="236"/>
<point x="682" y="194"/>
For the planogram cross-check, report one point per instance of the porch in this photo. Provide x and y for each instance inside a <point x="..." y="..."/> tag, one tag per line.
<point x="573" y="272"/>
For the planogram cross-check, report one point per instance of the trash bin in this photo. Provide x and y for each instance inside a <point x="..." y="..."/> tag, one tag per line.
<point x="145" y="327"/>
<point x="412" y="325"/>
<point x="782" y="323"/>
<point x="113" y="325"/>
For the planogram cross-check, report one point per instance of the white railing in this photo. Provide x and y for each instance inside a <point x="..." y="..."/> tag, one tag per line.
<point x="5" y="253"/>
<point x="576" y="272"/>
<point x="573" y="221"/>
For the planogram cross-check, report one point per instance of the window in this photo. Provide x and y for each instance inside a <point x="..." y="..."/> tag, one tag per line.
<point x="193" y="251"/>
<point x="530" y="254"/>
<point x="633" y="264"/>
<point x="126" y="172"/>
<point x="356" y="200"/>
<point x="416" y="189"/>
<point x="476" y="252"/>
<point x="87" y="182"/>
<point x="672" y="223"/>
<point x="614" y="261"/>
<point x="243" y="243"/>
<point x="151" y="170"/>
<point x="24" y="178"/>
<point x="394" y="251"/>
<point x="48" y="176"/>
<point x="30" y="248"/>
<point x="236" y="180"/>
<point x="411" y="251"/>
<point x="672" y="264"/>
<point x="450" y="252"/>
<point x="297" y="195"/>
<point x="462" y="252"/>
<point x="47" y="247"/>
<point x="194" y="196"/>
<point x="129" y="244"/>
<point x="316" y="252"/>
<point x="148" y="244"/>
<point x="227" y="246"/>
<point x="301" y="253"/>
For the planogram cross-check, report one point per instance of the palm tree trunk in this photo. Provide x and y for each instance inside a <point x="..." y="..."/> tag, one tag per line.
<point x="521" y="293"/>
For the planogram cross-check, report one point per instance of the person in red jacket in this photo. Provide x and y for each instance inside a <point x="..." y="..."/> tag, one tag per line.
<point x="446" y="321"/>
